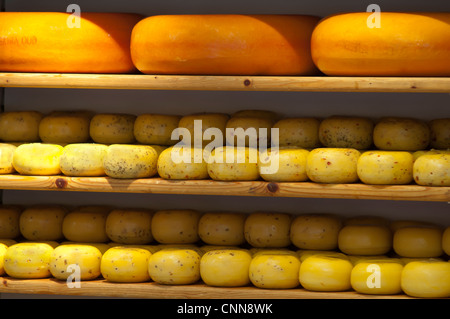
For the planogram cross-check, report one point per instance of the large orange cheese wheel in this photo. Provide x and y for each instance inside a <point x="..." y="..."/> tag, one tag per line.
<point x="52" y="42"/>
<point x="224" y="44"/>
<point x="405" y="44"/>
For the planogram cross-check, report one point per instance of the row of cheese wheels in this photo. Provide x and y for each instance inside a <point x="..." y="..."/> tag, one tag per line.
<point x="353" y="236"/>
<point x="341" y="44"/>
<point x="259" y="127"/>
<point x="227" y="267"/>
<point x="229" y="163"/>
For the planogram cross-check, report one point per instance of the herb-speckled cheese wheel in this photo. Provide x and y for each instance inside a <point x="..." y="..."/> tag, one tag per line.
<point x="65" y="127"/>
<point x="225" y="267"/>
<point x="9" y="222"/>
<point x="440" y="134"/>
<point x="155" y="129"/>
<point x="6" y="158"/>
<point x="20" y="126"/>
<point x="365" y="239"/>
<point x="432" y="170"/>
<point x="112" y="128"/>
<point x="346" y="132"/>
<point x="286" y="164"/>
<point x="222" y="228"/>
<point x="37" y="159"/>
<point x="42" y="222"/>
<point x="175" y="226"/>
<point x="418" y="241"/>
<point x="85" y="226"/>
<point x="248" y="131"/>
<point x="192" y="128"/>
<point x="182" y="162"/>
<point x="130" y="226"/>
<point x="83" y="159"/>
<point x="299" y="132"/>
<point x="268" y="230"/>
<point x="426" y="279"/>
<point x="230" y="163"/>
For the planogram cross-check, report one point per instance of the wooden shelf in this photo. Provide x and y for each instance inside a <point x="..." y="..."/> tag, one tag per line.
<point x="209" y="187"/>
<point x="226" y="83"/>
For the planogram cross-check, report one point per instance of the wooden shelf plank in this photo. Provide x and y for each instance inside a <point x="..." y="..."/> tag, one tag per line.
<point x="152" y="290"/>
<point x="243" y="188"/>
<point x="227" y="83"/>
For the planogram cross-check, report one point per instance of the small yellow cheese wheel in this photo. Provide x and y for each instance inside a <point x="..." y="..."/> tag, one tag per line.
<point x="66" y="259"/>
<point x="225" y="267"/>
<point x="131" y="161"/>
<point x="418" y="241"/>
<point x="28" y="260"/>
<point x="230" y="163"/>
<point x="248" y="131"/>
<point x="182" y="162"/>
<point x="175" y="266"/>
<point x="268" y="230"/>
<point x="325" y="273"/>
<point x="446" y="241"/>
<point x="83" y="159"/>
<point x="401" y="134"/>
<point x="37" y="159"/>
<point x="85" y="226"/>
<point x="300" y="132"/>
<point x="385" y="167"/>
<point x="305" y="253"/>
<point x="426" y="279"/>
<point x="397" y="224"/>
<point x="155" y="129"/>
<point x="377" y="276"/>
<point x="366" y="220"/>
<point x="286" y="164"/>
<point x="346" y="132"/>
<point x="112" y="128"/>
<point x="9" y="221"/>
<point x="332" y="165"/>
<point x="20" y="126"/>
<point x="365" y="239"/>
<point x="432" y="170"/>
<point x="125" y="264"/>
<point x="222" y="228"/>
<point x="275" y="271"/>
<point x="177" y="226"/>
<point x="65" y="127"/>
<point x="8" y="242"/>
<point x="6" y="158"/>
<point x="315" y="231"/>
<point x="3" y="249"/>
<point x="129" y="226"/>
<point x="440" y="133"/>
<point x="42" y="222"/>
<point x="193" y="126"/>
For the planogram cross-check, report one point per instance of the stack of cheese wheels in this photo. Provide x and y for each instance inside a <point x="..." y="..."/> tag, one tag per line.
<point x="402" y="44"/>
<point x="61" y="42"/>
<point x="224" y="44"/>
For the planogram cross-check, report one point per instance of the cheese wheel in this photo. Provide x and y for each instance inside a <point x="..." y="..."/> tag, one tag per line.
<point x="302" y="132"/>
<point x="225" y="267"/>
<point x="125" y="264"/>
<point x="182" y="162"/>
<point x="285" y="164"/>
<point x="365" y="239"/>
<point x="155" y="128"/>
<point x="112" y="128"/>
<point x="218" y="228"/>
<point x="83" y="159"/>
<point x="131" y="161"/>
<point x="9" y="221"/>
<point x="305" y="253"/>
<point x="440" y="133"/>
<point x="42" y="222"/>
<point x="332" y="165"/>
<point x="230" y="163"/>
<point x="325" y="273"/>
<point x="403" y="44"/>
<point x="366" y="220"/>
<point x="64" y="127"/>
<point x="102" y="247"/>
<point x="275" y="271"/>
<point x="432" y="170"/>
<point x="194" y="128"/>
<point x="248" y="131"/>
<point x="28" y="260"/>
<point x="426" y="279"/>
<point x="85" y="226"/>
<point x="61" y="42"/>
<point x="175" y="226"/>
<point x="401" y="134"/>
<point x="6" y="158"/>
<point x="446" y="241"/>
<point x="224" y="44"/>
<point x="268" y="230"/>
<point x="79" y="261"/>
<point x="174" y="266"/>
<point x="418" y="154"/>
<point x="377" y="276"/>
<point x="315" y="231"/>
<point x="3" y="249"/>
<point x="385" y="167"/>
<point x="418" y="241"/>
<point x="346" y="132"/>
<point x="37" y="159"/>
<point x="397" y="224"/>
<point x="20" y="126"/>
<point x="129" y="226"/>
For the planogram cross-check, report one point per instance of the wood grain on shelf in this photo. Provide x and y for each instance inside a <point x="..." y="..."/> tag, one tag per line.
<point x="152" y="290"/>
<point x="242" y="188"/>
<point x="227" y="83"/>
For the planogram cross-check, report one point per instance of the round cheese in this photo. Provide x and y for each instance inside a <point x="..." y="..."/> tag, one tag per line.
<point x="112" y="128"/>
<point x="65" y="127"/>
<point x="440" y="134"/>
<point x="175" y="226"/>
<point x="83" y="159"/>
<point x="129" y="226"/>
<point x="365" y="239"/>
<point x="37" y="159"/>
<point x="426" y="279"/>
<point x="230" y="163"/>
<point x="3" y="249"/>
<point x="182" y="162"/>
<point x="248" y="131"/>
<point x="446" y="241"/>
<point x="218" y="228"/>
<point x="9" y="221"/>
<point x="432" y="170"/>
<point x="285" y="164"/>
<point x="302" y="132"/>
<point x="20" y="126"/>
<point x="346" y="132"/>
<point x="42" y="222"/>
<point x="85" y="226"/>
<point x="268" y="230"/>
<point x="155" y="129"/>
<point x="418" y="241"/>
<point x="200" y="129"/>
<point x="6" y="158"/>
